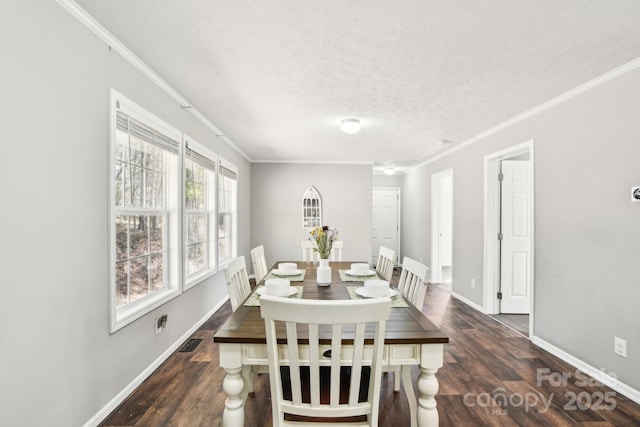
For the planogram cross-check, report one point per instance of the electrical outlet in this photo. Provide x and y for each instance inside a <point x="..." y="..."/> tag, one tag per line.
<point x="620" y="346"/>
<point x="161" y="323"/>
<point x="473" y="283"/>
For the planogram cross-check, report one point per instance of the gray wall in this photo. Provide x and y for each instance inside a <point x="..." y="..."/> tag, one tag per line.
<point x="587" y="240"/>
<point x="59" y="365"/>
<point x="276" y="197"/>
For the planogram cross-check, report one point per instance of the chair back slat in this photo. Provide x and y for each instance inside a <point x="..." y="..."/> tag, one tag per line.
<point x="308" y="254"/>
<point x="336" y="250"/>
<point x="319" y="323"/>
<point x="259" y="261"/>
<point x="413" y="281"/>
<point x="237" y="281"/>
<point x="386" y="262"/>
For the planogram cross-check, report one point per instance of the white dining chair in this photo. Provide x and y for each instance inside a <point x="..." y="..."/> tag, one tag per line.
<point x="308" y="252"/>
<point x="413" y="281"/>
<point x="386" y="262"/>
<point x="313" y="389"/>
<point x="259" y="261"/>
<point x="336" y="250"/>
<point x="237" y="281"/>
<point x="239" y="289"/>
<point x="413" y="286"/>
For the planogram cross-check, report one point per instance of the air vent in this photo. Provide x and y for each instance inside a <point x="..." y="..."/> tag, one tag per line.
<point x="191" y="345"/>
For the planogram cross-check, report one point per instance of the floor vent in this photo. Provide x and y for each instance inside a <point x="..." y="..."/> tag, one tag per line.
<point x="191" y="345"/>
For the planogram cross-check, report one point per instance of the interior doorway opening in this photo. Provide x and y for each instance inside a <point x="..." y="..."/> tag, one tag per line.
<point x="442" y="228"/>
<point x="509" y="268"/>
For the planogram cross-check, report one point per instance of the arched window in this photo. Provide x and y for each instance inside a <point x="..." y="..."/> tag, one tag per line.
<point x="311" y="208"/>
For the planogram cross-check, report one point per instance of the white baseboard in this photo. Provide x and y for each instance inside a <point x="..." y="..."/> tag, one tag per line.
<point x="598" y="374"/>
<point x="120" y="397"/>
<point x="468" y="302"/>
<point x="593" y="372"/>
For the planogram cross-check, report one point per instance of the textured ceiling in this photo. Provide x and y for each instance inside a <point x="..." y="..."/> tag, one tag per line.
<point x="278" y="76"/>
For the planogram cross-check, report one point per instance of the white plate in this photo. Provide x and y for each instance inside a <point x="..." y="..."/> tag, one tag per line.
<point x="363" y="293"/>
<point x="291" y="291"/>
<point x="351" y="273"/>
<point x="278" y="273"/>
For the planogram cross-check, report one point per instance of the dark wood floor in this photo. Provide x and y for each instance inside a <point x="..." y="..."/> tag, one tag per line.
<point x="484" y="360"/>
<point x="519" y="322"/>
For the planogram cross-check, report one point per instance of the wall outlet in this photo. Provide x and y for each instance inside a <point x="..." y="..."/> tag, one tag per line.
<point x="473" y="283"/>
<point x="620" y="346"/>
<point x="161" y="323"/>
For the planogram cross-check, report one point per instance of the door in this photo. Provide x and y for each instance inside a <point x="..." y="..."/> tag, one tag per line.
<point x="441" y="226"/>
<point x="385" y="221"/>
<point x="515" y="237"/>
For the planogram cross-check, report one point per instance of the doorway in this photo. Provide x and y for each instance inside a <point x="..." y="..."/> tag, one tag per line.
<point x="509" y="235"/>
<point x="385" y="221"/>
<point x="442" y="228"/>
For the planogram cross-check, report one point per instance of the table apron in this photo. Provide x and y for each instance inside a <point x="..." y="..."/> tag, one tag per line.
<point x="237" y="355"/>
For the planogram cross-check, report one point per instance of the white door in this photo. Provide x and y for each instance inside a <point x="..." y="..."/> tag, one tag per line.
<point x="386" y="227"/>
<point x="516" y="239"/>
<point x="441" y="226"/>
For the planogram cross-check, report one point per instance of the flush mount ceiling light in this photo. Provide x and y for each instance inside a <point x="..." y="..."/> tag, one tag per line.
<point x="350" y="126"/>
<point x="389" y="170"/>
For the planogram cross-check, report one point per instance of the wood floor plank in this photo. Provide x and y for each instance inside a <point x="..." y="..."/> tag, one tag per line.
<point x="482" y="359"/>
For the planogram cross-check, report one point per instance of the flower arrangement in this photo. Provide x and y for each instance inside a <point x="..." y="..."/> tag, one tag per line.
<point x="323" y="238"/>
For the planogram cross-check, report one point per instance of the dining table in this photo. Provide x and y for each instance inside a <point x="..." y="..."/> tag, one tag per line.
<point x="411" y="339"/>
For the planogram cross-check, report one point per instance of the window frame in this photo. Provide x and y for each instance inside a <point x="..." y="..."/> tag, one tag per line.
<point x="211" y="212"/>
<point x="172" y="270"/>
<point x="310" y="221"/>
<point x="223" y="163"/>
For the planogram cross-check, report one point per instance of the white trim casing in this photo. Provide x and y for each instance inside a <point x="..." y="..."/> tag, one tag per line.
<point x="129" y="388"/>
<point x="121" y="317"/>
<point x="491" y="263"/>
<point x="93" y="25"/>
<point x="435" y="218"/>
<point x="195" y="279"/>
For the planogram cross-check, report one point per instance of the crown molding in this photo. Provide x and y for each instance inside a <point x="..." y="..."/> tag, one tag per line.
<point x="610" y="75"/>
<point x="312" y="162"/>
<point x="86" y="19"/>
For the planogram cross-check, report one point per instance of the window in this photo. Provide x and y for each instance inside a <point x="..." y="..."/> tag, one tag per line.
<point x="227" y="206"/>
<point x="199" y="212"/>
<point x="311" y="208"/>
<point x="145" y="155"/>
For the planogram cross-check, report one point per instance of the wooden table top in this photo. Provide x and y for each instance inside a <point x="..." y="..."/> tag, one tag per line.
<point x="407" y="325"/>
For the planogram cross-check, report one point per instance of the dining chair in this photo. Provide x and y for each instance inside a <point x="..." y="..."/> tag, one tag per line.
<point x="386" y="263"/>
<point x="308" y="253"/>
<point x="413" y="281"/>
<point x="413" y="286"/>
<point x="237" y="281"/>
<point x="239" y="289"/>
<point x="336" y="250"/>
<point x="260" y="268"/>
<point x="333" y="384"/>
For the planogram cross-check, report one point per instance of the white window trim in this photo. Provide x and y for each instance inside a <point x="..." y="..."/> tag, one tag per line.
<point x="222" y="162"/>
<point x="311" y="190"/>
<point x="120" y="317"/>
<point x="191" y="281"/>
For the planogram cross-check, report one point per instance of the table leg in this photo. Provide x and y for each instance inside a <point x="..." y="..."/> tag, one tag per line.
<point x="408" y="391"/>
<point x="233" y="385"/>
<point x="427" y="389"/>
<point x="432" y="359"/>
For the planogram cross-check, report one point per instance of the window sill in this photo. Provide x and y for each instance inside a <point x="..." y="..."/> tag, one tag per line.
<point x="124" y="316"/>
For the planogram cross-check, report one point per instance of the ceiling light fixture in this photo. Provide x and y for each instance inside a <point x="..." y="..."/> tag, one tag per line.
<point x="444" y="142"/>
<point x="389" y="170"/>
<point x="350" y="126"/>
